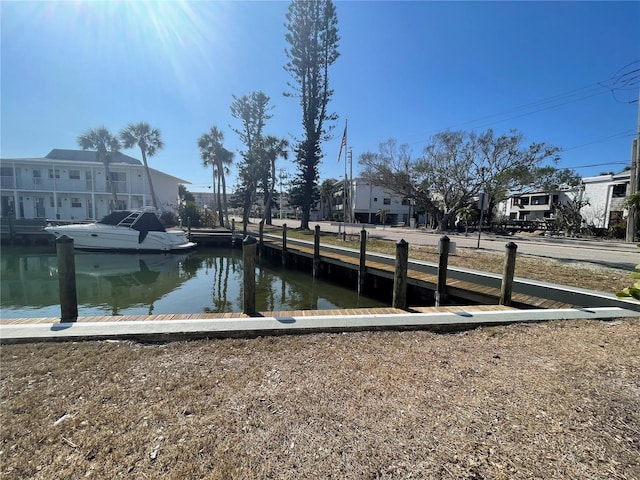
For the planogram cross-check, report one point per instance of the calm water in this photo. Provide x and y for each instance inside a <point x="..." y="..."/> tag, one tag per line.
<point x="206" y="280"/>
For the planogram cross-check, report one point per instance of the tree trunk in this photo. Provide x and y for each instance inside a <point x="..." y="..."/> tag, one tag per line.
<point x="111" y="187"/>
<point x="219" y="194"/>
<point x="154" y="202"/>
<point x="224" y="198"/>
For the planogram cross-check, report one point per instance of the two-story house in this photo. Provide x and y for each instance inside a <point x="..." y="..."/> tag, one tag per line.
<point x="606" y="194"/>
<point x="72" y="185"/>
<point x="533" y="206"/>
<point x="370" y="199"/>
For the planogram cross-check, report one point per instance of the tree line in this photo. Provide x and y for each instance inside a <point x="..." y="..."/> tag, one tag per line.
<point x="312" y="38"/>
<point x="455" y="167"/>
<point x="444" y="180"/>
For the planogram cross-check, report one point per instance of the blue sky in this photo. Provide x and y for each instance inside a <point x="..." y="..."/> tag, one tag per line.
<point x="407" y="70"/>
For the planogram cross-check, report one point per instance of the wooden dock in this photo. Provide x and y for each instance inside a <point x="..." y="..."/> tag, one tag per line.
<point x="461" y="290"/>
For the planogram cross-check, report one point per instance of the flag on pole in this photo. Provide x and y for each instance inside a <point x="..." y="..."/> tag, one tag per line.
<point x="344" y="141"/>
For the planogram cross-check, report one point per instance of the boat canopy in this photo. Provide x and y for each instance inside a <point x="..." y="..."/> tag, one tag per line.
<point x="140" y="221"/>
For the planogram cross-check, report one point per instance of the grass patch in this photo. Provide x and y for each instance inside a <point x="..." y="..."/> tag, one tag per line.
<point x="553" y="401"/>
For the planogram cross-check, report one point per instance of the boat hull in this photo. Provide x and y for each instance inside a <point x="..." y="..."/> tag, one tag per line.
<point x="99" y="237"/>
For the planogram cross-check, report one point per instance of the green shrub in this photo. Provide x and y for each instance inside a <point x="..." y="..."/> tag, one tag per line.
<point x="634" y="290"/>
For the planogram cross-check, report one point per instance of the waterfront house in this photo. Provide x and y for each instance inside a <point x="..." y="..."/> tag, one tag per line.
<point x="71" y="185"/>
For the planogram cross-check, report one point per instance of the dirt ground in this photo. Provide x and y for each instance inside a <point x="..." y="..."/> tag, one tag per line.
<point x="557" y="400"/>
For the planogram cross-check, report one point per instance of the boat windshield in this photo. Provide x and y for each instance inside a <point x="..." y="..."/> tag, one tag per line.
<point x="140" y="221"/>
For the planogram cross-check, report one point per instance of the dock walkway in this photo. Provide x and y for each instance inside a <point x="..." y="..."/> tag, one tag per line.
<point x="162" y="328"/>
<point x="474" y="288"/>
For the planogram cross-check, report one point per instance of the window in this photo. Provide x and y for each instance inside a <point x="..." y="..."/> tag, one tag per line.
<point x="619" y="190"/>
<point x="387" y="201"/>
<point x="75" y="202"/>
<point x="74" y="174"/>
<point x="375" y="199"/>
<point x="524" y="201"/>
<point x="405" y="201"/>
<point x="51" y="204"/>
<point x="540" y="200"/>
<point x="37" y="177"/>
<point x="53" y="173"/>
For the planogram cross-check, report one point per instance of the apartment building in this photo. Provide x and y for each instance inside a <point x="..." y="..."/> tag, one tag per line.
<point x="71" y="185"/>
<point x="605" y="194"/>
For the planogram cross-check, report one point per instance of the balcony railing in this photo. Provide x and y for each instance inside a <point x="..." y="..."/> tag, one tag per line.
<point x="62" y="185"/>
<point x="7" y="182"/>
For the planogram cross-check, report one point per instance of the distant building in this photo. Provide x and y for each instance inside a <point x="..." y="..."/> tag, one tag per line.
<point x="368" y="202"/>
<point x="605" y="194"/>
<point x="71" y="185"/>
<point x="533" y="206"/>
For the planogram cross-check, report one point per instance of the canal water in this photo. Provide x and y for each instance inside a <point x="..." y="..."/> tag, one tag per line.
<point x="202" y="281"/>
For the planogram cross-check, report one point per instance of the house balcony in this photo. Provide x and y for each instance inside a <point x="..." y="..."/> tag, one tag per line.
<point x="69" y="186"/>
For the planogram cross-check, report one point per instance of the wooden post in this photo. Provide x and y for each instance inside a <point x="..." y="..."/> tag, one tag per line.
<point x="284" y="244"/>
<point x="189" y="228"/>
<point x="261" y="244"/>
<point x="400" y="275"/>
<point x="67" y="279"/>
<point x="443" y="261"/>
<point x="507" y="275"/>
<point x="233" y="231"/>
<point x="363" y="259"/>
<point x="316" y="251"/>
<point x="12" y="230"/>
<point x="249" y="275"/>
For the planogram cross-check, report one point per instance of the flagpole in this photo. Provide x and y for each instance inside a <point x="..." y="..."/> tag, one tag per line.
<point x="344" y="193"/>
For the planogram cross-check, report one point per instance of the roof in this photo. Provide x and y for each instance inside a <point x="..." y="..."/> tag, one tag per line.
<point x="88" y="156"/>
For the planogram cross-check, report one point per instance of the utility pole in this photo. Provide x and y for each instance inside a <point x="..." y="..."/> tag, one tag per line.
<point x="634" y="184"/>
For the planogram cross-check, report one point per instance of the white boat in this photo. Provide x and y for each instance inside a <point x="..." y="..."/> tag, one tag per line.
<point x="128" y="230"/>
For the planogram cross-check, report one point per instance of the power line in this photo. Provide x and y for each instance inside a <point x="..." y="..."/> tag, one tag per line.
<point x="616" y="82"/>
<point x="615" y="136"/>
<point x="601" y="164"/>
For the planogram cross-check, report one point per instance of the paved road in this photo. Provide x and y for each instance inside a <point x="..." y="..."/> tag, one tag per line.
<point x="606" y="253"/>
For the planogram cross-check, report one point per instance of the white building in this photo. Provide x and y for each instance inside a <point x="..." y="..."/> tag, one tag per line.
<point x="534" y="206"/>
<point x="605" y="194"/>
<point x="368" y="200"/>
<point x="71" y="185"/>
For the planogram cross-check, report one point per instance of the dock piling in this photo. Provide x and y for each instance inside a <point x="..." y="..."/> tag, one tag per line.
<point x="507" y="276"/>
<point x="249" y="245"/>
<point x="400" y="275"/>
<point x="443" y="261"/>
<point x="363" y="258"/>
<point x="261" y="235"/>
<point x="284" y="244"/>
<point x="67" y="279"/>
<point x="316" y="251"/>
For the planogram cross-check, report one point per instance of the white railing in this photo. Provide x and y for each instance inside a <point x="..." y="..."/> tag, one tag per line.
<point x="7" y="182"/>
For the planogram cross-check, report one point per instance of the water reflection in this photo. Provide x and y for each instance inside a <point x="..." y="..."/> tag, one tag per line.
<point x="140" y="284"/>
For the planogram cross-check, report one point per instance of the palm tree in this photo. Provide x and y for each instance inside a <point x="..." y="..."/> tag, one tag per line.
<point x="106" y="146"/>
<point x="213" y="154"/>
<point x="271" y="149"/>
<point x="382" y="215"/>
<point x="149" y="141"/>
